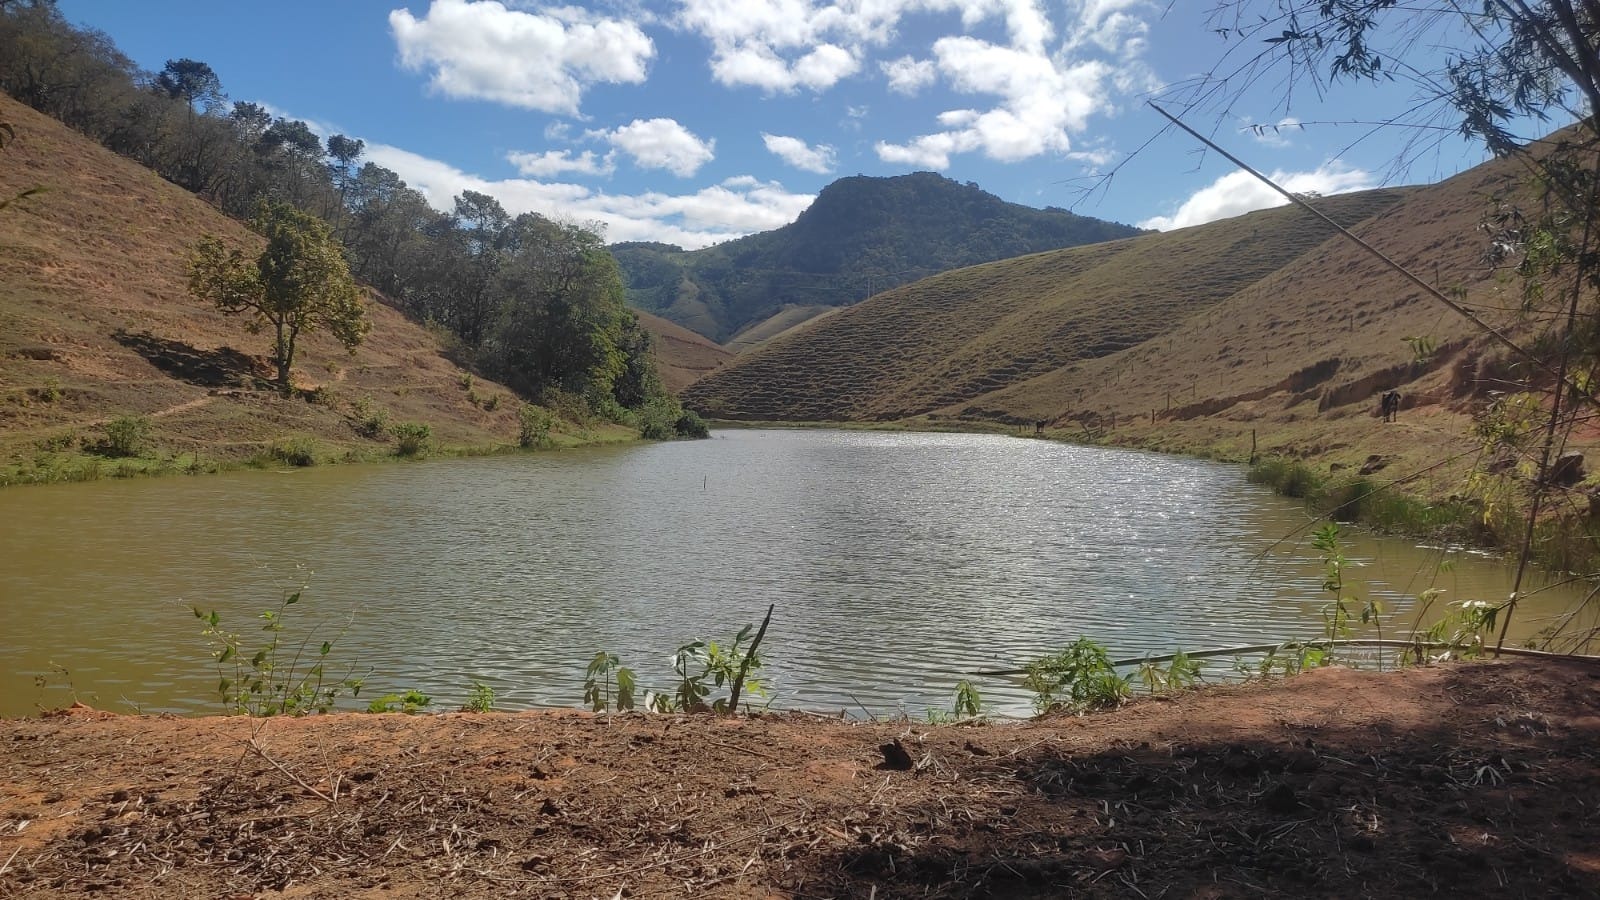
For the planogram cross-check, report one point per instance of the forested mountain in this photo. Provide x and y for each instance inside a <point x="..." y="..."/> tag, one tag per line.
<point x="861" y="235"/>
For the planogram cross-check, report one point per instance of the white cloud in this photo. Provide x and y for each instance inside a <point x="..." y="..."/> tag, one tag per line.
<point x="734" y="208"/>
<point x="661" y="144"/>
<point x="1042" y="102"/>
<point x="555" y="162"/>
<point x="798" y="153"/>
<point x="543" y="60"/>
<point x="908" y="75"/>
<point x="1239" y="192"/>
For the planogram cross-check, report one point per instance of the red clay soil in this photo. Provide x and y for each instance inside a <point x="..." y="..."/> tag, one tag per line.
<point x="1461" y="780"/>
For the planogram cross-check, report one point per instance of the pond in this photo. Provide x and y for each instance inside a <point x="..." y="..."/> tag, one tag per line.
<point x="897" y="561"/>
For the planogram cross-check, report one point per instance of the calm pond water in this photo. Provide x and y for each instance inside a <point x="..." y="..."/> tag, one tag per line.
<point x="897" y="561"/>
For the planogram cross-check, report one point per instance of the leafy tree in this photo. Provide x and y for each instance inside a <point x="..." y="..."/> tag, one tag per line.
<point x="562" y="310"/>
<point x="297" y="284"/>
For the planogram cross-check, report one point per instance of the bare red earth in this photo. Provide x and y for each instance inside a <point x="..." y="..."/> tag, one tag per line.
<point x="1478" y="780"/>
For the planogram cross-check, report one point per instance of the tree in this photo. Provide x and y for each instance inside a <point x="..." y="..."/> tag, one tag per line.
<point x="193" y="82"/>
<point x="561" y="313"/>
<point x="297" y="284"/>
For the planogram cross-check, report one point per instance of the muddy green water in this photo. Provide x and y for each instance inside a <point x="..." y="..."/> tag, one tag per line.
<point x="897" y="561"/>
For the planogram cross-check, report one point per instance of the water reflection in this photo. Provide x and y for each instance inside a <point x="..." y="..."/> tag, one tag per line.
<point x="897" y="561"/>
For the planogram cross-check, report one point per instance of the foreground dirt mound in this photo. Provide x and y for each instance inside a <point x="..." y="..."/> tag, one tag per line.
<point x="1474" y="780"/>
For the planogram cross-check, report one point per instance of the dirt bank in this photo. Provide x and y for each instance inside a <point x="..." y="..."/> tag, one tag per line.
<point x="1471" y="780"/>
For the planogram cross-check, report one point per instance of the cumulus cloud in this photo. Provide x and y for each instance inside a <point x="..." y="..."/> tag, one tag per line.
<point x="731" y="209"/>
<point x="556" y="162"/>
<point x="544" y="60"/>
<point x="1238" y="192"/>
<point x="907" y="75"/>
<point x="660" y="144"/>
<point x="798" y="153"/>
<point x="1042" y="102"/>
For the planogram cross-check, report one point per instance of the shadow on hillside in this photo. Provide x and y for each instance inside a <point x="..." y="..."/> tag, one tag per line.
<point x="1494" y="798"/>
<point x="222" y="367"/>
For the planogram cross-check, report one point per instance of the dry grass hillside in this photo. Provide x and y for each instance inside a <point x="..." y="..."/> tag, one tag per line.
<point x="682" y="356"/>
<point x="1268" y="326"/>
<point x="949" y="340"/>
<point x="96" y="323"/>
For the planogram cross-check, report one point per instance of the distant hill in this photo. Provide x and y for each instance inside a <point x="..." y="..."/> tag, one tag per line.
<point x="861" y="236"/>
<point x="681" y="355"/>
<point x="1266" y="327"/>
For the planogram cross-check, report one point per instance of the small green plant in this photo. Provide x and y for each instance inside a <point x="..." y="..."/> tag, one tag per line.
<point x="493" y="403"/>
<point x="1179" y="674"/>
<point x="969" y="704"/>
<point x="1464" y="628"/>
<point x="473" y="398"/>
<point x="480" y="699"/>
<point x="1078" y="678"/>
<point x="371" y="421"/>
<point x="411" y="702"/>
<point x="51" y="391"/>
<point x="412" y="438"/>
<point x="703" y="666"/>
<point x="280" y="677"/>
<point x="323" y="395"/>
<point x="536" y="422"/>
<point x="608" y="684"/>
<point x="465" y="379"/>
<point x="126" y="436"/>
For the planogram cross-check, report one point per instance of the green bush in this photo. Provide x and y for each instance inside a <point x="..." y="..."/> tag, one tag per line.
<point x="1289" y="477"/>
<point x="658" y="419"/>
<point x="371" y="421"/>
<point x="690" y="425"/>
<point x="126" y="436"/>
<point x="534" y="433"/>
<point x="413" y="438"/>
<point x="295" y="452"/>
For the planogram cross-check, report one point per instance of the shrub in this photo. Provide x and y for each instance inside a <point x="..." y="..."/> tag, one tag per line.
<point x="414" y="438"/>
<point x="690" y="425"/>
<point x="126" y="436"/>
<point x="295" y="452"/>
<point x="1288" y="477"/>
<point x="534" y="433"/>
<point x="323" y="395"/>
<point x="658" y="420"/>
<point x="371" y="421"/>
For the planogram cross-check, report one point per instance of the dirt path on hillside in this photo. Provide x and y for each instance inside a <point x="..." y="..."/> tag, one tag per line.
<point x="1470" y="780"/>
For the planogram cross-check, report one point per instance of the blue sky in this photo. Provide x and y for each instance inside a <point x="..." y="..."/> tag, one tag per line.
<point x="694" y="121"/>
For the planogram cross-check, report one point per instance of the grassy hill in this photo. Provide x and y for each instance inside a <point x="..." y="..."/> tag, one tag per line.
<point x="1265" y="327"/>
<point x="96" y="323"/>
<point x="862" y="235"/>
<point x="681" y="355"/>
